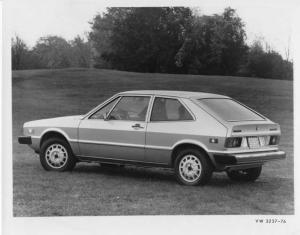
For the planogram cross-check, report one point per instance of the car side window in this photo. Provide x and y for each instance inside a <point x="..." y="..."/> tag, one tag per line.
<point x="168" y="109"/>
<point x="104" y="110"/>
<point x="131" y="108"/>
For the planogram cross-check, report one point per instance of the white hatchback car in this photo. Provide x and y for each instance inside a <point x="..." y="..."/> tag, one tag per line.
<point x="194" y="133"/>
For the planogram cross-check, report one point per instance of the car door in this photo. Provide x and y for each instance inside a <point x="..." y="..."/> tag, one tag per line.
<point x="120" y="135"/>
<point x="169" y="122"/>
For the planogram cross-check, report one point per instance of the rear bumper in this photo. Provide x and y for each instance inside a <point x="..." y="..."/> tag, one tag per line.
<point x="256" y="157"/>
<point x="246" y="160"/>
<point x="25" y="140"/>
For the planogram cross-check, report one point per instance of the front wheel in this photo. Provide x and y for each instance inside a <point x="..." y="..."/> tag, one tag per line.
<point x="56" y="155"/>
<point x="192" y="167"/>
<point x="250" y="174"/>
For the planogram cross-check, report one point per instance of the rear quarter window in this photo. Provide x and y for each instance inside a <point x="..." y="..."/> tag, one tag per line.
<point x="167" y="109"/>
<point x="230" y="110"/>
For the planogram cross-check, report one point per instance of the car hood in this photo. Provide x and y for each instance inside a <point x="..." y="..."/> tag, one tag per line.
<point x="55" y="122"/>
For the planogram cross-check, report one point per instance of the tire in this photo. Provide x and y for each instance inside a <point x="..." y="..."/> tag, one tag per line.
<point x="56" y="155"/>
<point x="245" y="175"/>
<point x="192" y="167"/>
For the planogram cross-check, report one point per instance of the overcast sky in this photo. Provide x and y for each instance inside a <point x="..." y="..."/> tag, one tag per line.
<point x="31" y="19"/>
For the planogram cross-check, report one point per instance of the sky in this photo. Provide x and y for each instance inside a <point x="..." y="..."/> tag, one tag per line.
<point x="32" y="19"/>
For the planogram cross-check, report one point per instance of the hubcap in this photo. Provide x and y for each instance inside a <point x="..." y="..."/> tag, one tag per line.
<point x="243" y="172"/>
<point x="190" y="168"/>
<point x="56" y="156"/>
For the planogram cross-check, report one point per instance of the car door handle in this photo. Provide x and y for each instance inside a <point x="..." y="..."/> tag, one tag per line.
<point x="137" y="125"/>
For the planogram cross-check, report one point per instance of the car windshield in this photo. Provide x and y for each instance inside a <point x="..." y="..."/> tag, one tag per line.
<point x="230" y="110"/>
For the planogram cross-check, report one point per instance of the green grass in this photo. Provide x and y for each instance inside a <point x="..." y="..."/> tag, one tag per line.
<point x="92" y="190"/>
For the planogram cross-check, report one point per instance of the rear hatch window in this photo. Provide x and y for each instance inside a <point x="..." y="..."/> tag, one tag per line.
<point x="229" y="110"/>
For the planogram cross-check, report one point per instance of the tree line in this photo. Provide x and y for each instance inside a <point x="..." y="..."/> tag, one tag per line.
<point x="158" y="40"/>
<point x="51" y="52"/>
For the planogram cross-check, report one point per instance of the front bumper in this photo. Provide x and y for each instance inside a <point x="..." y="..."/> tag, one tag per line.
<point x="246" y="160"/>
<point x="25" y="140"/>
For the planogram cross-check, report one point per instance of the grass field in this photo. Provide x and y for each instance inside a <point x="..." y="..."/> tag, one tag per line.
<point x="92" y="190"/>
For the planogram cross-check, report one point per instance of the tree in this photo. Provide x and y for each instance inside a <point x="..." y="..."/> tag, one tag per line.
<point x="140" y="39"/>
<point x="53" y="52"/>
<point x="267" y="64"/>
<point x="161" y="40"/>
<point x="81" y="52"/>
<point x="169" y="40"/>
<point x="100" y="36"/>
<point x="215" y="45"/>
<point x="19" y="51"/>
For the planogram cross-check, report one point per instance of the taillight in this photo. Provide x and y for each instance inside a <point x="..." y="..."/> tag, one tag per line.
<point x="233" y="142"/>
<point x="274" y="140"/>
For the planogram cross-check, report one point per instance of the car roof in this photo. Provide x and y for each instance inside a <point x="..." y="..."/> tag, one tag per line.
<point x="182" y="94"/>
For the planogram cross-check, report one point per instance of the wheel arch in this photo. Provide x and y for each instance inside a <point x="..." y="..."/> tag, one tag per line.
<point x="50" y="133"/>
<point x="190" y="144"/>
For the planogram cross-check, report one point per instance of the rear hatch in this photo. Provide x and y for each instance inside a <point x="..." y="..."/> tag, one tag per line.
<point x="254" y="130"/>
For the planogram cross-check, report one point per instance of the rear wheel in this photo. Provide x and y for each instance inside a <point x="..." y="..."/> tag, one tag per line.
<point x="192" y="167"/>
<point x="250" y="174"/>
<point x="56" y="155"/>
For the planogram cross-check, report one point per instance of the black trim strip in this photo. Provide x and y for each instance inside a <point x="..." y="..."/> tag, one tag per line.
<point x="118" y="161"/>
<point x="25" y="140"/>
<point x="225" y="159"/>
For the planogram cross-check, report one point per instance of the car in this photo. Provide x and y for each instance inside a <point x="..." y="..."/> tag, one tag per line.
<point x="193" y="133"/>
